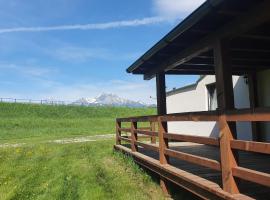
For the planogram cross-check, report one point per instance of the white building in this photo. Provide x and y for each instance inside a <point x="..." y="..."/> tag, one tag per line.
<point x="201" y="96"/>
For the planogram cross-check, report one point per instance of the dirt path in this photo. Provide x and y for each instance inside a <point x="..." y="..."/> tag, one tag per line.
<point x="82" y="139"/>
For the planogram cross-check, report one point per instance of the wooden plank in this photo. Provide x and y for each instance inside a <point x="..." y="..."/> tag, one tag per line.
<point x="191" y="116"/>
<point x="252" y="116"/>
<point x="201" y="187"/>
<point x="134" y="136"/>
<point x="259" y="147"/>
<point x="194" y="139"/>
<point x="149" y="118"/>
<point x="198" y="160"/>
<point x="147" y="146"/>
<point x="242" y="197"/>
<point x="150" y="133"/>
<point x="252" y="175"/>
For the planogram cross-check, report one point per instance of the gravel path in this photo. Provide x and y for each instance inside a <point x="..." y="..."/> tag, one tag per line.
<point x="82" y="139"/>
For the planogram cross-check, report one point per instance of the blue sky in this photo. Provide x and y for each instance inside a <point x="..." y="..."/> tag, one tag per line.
<point x="67" y="49"/>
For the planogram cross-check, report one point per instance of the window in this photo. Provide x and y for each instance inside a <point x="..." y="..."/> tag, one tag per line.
<point x="212" y="96"/>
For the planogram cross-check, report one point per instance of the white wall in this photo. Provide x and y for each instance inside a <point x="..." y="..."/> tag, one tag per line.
<point x="196" y="99"/>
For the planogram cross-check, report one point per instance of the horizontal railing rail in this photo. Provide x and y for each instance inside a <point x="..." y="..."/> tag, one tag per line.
<point x="227" y="165"/>
<point x="150" y="118"/>
<point x="198" y="160"/>
<point x="194" y="139"/>
<point x="258" y="147"/>
<point x="256" y="114"/>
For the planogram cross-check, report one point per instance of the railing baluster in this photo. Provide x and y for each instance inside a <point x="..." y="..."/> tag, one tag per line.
<point x="163" y="159"/>
<point x="228" y="161"/>
<point x="153" y="128"/>
<point x="118" y="132"/>
<point x="163" y="142"/>
<point x="134" y="136"/>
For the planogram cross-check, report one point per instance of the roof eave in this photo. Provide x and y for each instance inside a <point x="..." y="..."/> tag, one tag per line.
<point x="193" y="18"/>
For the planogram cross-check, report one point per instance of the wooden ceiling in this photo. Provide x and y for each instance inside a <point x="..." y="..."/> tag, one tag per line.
<point x="188" y="49"/>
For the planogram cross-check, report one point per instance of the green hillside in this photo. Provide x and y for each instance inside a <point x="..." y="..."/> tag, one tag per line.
<point x="35" y="122"/>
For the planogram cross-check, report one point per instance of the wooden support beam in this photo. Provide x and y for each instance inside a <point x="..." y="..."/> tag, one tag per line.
<point x="253" y="99"/>
<point x="161" y="94"/>
<point x="134" y="137"/>
<point x="223" y="69"/>
<point x="225" y="99"/>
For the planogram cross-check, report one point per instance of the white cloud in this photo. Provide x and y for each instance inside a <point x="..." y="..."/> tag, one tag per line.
<point x="94" y="26"/>
<point x="175" y="8"/>
<point x="26" y="70"/>
<point x="82" y="54"/>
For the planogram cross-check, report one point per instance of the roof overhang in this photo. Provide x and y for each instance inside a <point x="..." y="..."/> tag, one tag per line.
<point x="188" y="48"/>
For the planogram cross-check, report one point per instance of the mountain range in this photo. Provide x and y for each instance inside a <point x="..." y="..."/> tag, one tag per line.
<point x="111" y="100"/>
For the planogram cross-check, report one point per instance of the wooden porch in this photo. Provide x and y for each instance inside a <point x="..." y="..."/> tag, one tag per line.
<point x="223" y="38"/>
<point x="200" y="164"/>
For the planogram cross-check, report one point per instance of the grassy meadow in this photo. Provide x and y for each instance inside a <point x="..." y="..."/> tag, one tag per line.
<point x="39" y="122"/>
<point x="72" y="171"/>
<point x="40" y="169"/>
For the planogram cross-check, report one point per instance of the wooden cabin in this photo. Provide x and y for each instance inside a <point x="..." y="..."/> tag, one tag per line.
<point x="221" y="38"/>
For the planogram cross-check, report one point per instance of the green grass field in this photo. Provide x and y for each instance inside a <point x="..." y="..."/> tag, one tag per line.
<point x="39" y="122"/>
<point x="72" y="171"/>
<point x="40" y="169"/>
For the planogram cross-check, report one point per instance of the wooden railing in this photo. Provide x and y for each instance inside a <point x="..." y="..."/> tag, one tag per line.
<point x="227" y="144"/>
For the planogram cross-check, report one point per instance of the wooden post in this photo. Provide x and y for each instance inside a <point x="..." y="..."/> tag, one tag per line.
<point x="153" y="128"/>
<point x="163" y="145"/>
<point x="253" y="100"/>
<point x="118" y="132"/>
<point x="228" y="160"/>
<point x="134" y="136"/>
<point x="161" y="94"/>
<point x="162" y="110"/>
<point x="163" y="142"/>
<point x="225" y="99"/>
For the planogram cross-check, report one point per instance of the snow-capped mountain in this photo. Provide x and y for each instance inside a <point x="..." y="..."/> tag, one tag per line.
<point x="110" y="100"/>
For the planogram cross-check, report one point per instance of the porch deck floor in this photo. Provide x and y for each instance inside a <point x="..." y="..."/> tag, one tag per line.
<point x="255" y="161"/>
